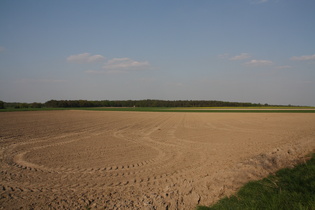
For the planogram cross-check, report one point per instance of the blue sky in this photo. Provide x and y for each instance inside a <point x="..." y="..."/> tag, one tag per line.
<point x="260" y="51"/>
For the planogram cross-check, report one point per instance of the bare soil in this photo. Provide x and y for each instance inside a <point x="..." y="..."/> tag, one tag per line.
<point x="142" y="160"/>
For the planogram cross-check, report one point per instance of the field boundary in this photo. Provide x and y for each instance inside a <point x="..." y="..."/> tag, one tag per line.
<point x="287" y="188"/>
<point x="179" y="109"/>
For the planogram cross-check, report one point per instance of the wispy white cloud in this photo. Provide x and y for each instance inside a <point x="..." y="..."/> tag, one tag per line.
<point x="257" y="63"/>
<point x="242" y="56"/>
<point x="120" y="65"/>
<point x="303" y="58"/>
<point x="258" y="1"/>
<point x="125" y="64"/>
<point x="85" y="58"/>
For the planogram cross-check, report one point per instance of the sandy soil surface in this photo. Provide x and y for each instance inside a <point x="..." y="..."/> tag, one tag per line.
<point x="142" y="160"/>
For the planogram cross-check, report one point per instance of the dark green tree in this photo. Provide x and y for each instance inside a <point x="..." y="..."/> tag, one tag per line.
<point x="1" y="105"/>
<point x="36" y="105"/>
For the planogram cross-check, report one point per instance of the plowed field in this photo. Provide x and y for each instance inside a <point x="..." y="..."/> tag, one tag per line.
<point x="141" y="160"/>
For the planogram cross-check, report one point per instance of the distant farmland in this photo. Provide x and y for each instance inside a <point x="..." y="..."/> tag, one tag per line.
<point x="131" y="160"/>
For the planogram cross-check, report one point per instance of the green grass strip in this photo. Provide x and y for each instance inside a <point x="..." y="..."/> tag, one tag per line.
<point x="287" y="189"/>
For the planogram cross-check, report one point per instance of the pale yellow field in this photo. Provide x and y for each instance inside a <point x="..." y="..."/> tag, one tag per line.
<point x="142" y="160"/>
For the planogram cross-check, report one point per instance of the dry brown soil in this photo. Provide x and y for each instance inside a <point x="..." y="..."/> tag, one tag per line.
<point x="141" y="160"/>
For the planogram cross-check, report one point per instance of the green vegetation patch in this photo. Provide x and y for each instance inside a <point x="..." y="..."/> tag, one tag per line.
<point x="287" y="189"/>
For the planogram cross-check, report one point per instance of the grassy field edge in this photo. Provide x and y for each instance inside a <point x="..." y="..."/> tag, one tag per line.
<point x="286" y="189"/>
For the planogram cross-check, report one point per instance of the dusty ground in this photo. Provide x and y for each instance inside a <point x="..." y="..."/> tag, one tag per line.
<point x="138" y="160"/>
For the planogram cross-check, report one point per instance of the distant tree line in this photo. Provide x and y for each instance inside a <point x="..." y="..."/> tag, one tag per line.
<point x="143" y="103"/>
<point x="18" y="105"/>
<point x="128" y="103"/>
